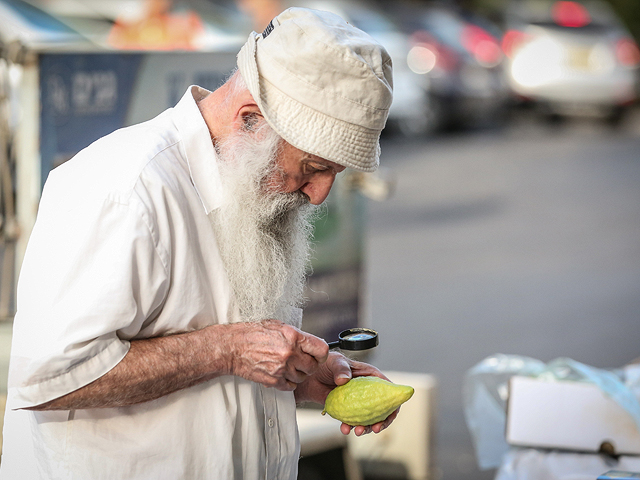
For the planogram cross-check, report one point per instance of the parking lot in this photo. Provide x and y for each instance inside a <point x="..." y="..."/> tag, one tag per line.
<point x="522" y="240"/>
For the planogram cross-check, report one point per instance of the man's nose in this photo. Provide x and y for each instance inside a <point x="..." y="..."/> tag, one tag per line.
<point x="318" y="189"/>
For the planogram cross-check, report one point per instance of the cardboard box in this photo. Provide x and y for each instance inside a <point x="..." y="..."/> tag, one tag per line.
<point x="568" y="415"/>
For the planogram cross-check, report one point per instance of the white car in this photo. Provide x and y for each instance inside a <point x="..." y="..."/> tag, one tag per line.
<point x="574" y="58"/>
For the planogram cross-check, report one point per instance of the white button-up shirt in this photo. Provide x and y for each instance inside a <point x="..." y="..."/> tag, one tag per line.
<point x="123" y="250"/>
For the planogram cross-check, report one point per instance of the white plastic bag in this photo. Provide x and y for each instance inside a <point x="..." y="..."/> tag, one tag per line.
<point x="486" y="390"/>
<point x="534" y="464"/>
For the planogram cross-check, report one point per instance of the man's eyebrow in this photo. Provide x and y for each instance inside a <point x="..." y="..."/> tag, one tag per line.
<point x="319" y="161"/>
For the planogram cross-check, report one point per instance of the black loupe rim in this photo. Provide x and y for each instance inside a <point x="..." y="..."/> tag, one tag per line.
<point x="363" y="344"/>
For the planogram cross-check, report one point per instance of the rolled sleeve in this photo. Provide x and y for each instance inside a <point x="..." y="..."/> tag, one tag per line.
<point x="93" y="276"/>
<point x="83" y="373"/>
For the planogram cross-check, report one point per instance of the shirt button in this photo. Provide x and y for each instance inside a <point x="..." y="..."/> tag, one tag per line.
<point x="270" y="422"/>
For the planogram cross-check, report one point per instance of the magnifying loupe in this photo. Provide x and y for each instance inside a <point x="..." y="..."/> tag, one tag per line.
<point x="356" y="339"/>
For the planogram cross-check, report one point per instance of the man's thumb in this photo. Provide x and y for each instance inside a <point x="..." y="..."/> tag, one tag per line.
<point x="341" y="371"/>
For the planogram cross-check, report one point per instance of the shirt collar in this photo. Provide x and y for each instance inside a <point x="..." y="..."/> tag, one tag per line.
<point x="198" y="147"/>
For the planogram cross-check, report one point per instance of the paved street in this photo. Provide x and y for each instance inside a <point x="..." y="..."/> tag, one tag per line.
<point x="522" y="241"/>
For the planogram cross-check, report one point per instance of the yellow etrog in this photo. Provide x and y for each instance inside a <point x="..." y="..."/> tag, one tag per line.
<point x="365" y="400"/>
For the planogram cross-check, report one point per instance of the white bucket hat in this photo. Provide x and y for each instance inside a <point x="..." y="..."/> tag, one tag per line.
<point x="322" y="84"/>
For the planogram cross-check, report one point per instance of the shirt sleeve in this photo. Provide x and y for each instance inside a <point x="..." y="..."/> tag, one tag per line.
<point x="92" y="277"/>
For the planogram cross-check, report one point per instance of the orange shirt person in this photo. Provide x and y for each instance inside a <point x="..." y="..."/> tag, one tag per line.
<point x="159" y="29"/>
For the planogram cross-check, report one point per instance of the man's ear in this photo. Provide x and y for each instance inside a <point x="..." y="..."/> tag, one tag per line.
<point x="247" y="114"/>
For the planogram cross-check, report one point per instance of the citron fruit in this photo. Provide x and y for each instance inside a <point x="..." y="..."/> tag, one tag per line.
<point x="365" y="400"/>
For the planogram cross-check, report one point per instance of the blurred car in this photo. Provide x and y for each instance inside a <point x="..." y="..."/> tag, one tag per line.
<point x="571" y="57"/>
<point x="410" y="112"/>
<point x="459" y="56"/>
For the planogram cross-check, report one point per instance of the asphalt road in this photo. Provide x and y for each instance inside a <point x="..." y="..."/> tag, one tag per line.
<point x="524" y="240"/>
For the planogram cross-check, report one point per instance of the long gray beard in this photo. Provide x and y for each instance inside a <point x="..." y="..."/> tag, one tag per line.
<point x="264" y="237"/>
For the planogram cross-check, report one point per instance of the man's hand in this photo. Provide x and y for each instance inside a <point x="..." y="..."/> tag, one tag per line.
<point x="338" y="370"/>
<point x="274" y="354"/>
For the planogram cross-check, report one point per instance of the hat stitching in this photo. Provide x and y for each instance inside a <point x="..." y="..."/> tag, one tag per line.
<point x="296" y="104"/>
<point x="362" y="63"/>
<point x="353" y="134"/>
<point x="373" y="131"/>
<point x="389" y="62"/>
<point x="317" y="88"/>
<point x="263" y="79"/>
<point x="341" y="159"/>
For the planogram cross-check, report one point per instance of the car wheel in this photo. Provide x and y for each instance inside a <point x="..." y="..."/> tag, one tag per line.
<point x="616" y="117"/>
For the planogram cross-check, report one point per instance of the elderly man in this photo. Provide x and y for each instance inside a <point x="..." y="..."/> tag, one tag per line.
<point x="157" y="334"/>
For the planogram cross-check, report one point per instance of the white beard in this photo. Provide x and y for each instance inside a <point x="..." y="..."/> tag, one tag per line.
<point x="263" y="236"/>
